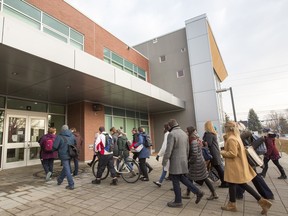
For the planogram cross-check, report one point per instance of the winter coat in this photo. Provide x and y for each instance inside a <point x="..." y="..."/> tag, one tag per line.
<point x="196" y="163"/>
<point x="177" y="151"/>
<point x="79" y="141"/>
<point x="47" y="155"/>
<point x="272" y="151"/>
<point x="145" y="152"/>
<point x="122" y="146"/>
<point x="213" y="146"/>
<point x="115" y="148"/>
<point x="163" y="149"/>
<point x="61" y="145"/>
<point x="237" y="170"/>
<point x="101" y="142"/>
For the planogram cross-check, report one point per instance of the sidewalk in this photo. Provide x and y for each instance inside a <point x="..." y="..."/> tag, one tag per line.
<point x="23" y="191"/>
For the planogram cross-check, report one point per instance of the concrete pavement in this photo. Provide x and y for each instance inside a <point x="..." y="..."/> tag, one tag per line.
<point x="23" y="191"/>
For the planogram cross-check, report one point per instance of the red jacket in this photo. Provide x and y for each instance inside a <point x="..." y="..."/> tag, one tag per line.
<point x="272" y="151"/>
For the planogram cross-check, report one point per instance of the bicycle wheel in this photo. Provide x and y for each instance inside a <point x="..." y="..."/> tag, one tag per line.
<point x="95" y="168"/>
<point x="130" y="171"/>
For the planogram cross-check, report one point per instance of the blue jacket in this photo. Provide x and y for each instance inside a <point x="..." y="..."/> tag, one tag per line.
<point x="145" y="152"/>
<point x="61" y="146"/>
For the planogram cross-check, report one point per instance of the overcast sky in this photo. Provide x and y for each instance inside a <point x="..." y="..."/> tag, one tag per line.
<point x="252" y="36"/>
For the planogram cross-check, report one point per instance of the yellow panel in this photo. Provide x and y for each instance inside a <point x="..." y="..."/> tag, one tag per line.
<point x="217" y="61"/>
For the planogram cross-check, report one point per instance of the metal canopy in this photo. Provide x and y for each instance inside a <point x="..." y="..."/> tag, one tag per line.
<point x="24" y="75"/>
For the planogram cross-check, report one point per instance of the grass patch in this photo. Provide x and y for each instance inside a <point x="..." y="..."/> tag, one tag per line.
<point x="282" y="145"/>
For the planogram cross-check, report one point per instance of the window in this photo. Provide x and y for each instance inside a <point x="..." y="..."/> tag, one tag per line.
<point x="44" y="22"/>
<point x="123" y="64"/>
<point x="155" y="40"/>
<point x="2" y="102"/>
<point x="180" y="73"/>
<point x="162" y="58"/>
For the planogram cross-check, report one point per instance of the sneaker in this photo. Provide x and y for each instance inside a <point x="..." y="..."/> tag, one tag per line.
<point x="96" y="181"/>
<point x="157" y="183"/>
<point x="144" y="179"/>
<point x="114" y="182"/>
<point x="174" y="205"/>
<point x="150" y="169"/>
<point x="199" y="197"/>
<point x="48" y="176"/>
<point x="58" y="182"/>
<point x="69" y="188"/>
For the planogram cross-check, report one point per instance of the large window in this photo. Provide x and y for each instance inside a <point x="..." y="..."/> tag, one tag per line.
<point x="123" y="64"/>
<point x="128" y="119"/>
<point x="42" y="21"/>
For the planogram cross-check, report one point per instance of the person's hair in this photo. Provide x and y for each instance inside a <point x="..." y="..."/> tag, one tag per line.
<point x="51" y="130"/>
<point x="101" y="129"/>
<point x="141" y="129"/>
<point x="113" y="129"/>
<point x="134" y="129"/>
<point x="231" y="128"/>
<point x="73" y="129"/>
<point x="166" y="127"/>
<point x="172" y="123"/>
<point x="209" y="127"/>
<point x="192" y="133"/>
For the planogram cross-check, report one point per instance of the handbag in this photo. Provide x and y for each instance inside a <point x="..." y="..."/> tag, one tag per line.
<point x="253" y="158"/>
<point x="138" y="148"/>
<point x="261" y="150"/>
<point x="206" y="154"/>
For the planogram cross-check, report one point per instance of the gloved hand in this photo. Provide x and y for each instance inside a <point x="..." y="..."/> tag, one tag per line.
<point x="157" y="157"/>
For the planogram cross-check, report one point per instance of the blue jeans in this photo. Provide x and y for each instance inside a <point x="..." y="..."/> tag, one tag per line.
<point x="66" y="173"/>
<point x="162" y="175"/>
<point x="176" y="179"/>
<point x="76" y="166"/>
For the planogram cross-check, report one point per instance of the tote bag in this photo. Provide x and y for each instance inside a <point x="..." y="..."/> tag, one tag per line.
<point x="253" y="158"/>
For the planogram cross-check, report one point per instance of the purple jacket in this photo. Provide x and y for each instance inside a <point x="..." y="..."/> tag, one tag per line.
<point x="47" y="155"/>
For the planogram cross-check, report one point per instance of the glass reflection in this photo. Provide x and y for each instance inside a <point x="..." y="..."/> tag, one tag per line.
<point x="16" y="130"/>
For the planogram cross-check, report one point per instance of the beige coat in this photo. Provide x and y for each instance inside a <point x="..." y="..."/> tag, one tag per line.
<point x="237" y="170"/>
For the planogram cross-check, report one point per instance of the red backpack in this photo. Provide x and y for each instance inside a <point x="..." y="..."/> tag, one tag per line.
<point x="48" y="145"/>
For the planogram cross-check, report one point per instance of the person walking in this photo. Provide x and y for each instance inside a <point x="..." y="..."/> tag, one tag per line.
<point x="272" y="154"/>
<point x="160" y="154"/>
<point x="61" y="143"/>
<point x="79" y="144"/>
<point x="104" y="147"/>
<point x="177" y="152"/>
<point x="196" y="163"/>
<point x="210" y="138"/>
<point x="237" y="170"/>
<point x="48" y="157"/>
<point x="143" y="154"/>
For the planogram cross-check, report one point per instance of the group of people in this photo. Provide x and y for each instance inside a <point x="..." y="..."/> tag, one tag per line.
<point x="59" y="150"/>
<point x="182" y="158"/>
<point x="121" y="148"/>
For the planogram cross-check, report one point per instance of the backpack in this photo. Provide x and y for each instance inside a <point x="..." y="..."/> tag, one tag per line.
<point x="72" y="149"/>
<point x="48" y="145"/>
<point x="109" y="145"/>
<point x="147" y="140"/>
<point x="259" y="145"/>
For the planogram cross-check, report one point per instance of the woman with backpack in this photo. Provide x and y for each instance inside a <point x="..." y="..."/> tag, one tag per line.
<point x="47" y="156"/>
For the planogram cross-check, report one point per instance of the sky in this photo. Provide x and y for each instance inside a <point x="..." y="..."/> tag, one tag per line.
<point x="252" y="37"/>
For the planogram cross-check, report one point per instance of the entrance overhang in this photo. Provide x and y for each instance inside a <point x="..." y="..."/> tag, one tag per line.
<point x="36" y="66"/>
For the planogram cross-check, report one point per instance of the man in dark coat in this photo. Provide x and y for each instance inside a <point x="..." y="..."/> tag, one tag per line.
<point x="60" y="144"/>
<point x="177" y="152"/>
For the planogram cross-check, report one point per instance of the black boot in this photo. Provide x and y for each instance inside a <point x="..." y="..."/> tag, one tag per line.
<point x="149" y="167"/>
<point x="283" y="174"/>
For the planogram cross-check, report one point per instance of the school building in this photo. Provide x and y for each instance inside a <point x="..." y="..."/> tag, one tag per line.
<point x="57" y="66"/>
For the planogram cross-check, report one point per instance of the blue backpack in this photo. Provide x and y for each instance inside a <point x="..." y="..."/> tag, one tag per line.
<point x="109" y="145"/>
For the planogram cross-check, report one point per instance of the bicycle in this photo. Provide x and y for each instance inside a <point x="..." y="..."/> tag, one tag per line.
<point x="129" y="170"/>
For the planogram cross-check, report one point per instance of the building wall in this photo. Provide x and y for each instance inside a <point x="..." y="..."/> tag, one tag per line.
<point x="164" y="75"/>
<point x="96" y="38"/>
<point x="203" y="77"/>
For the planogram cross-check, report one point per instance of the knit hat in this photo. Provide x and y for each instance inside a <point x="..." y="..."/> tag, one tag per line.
<point x="65" y="127"/>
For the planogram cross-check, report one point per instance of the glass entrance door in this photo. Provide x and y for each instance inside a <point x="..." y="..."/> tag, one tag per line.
<point x="22" y="134"/>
